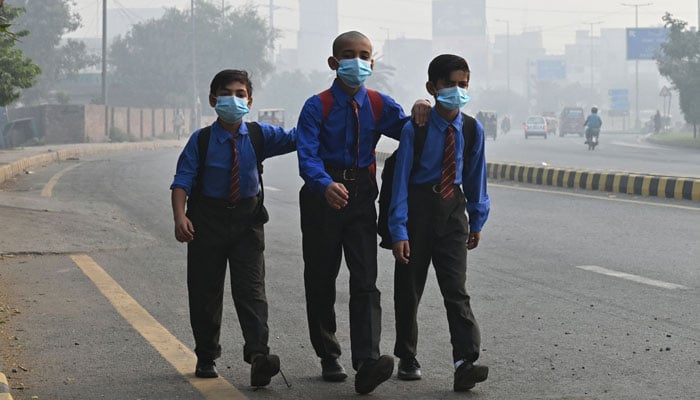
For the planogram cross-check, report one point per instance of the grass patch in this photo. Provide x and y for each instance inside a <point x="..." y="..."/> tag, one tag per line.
<point x="676" y="139"/>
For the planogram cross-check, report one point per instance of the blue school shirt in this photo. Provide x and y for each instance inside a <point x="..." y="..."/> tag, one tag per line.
<point x="219" y="159"/>
<point x="331" y="142"/>
<point x="429" y="169"/>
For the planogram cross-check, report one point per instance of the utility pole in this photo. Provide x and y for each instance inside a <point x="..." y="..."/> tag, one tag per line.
<point x="195" y="101"/>
<point x="637" y="123"/>
<point x="508" y="53"/>
<point x="104" y="64"/>
<point x="590" y="37"/>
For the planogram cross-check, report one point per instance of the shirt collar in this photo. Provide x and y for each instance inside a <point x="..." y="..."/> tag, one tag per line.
<point x="344" y="98"/>
<point x="222" y="135"/>
<point x="441" y="124"/>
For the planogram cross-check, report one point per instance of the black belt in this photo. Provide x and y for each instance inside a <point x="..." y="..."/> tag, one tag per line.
<point x="348" y="174"/>
<point x="224" y="203"/>
<point x="431" y="187"/>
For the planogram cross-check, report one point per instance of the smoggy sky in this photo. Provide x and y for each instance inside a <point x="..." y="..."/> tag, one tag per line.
<point x="380" y="19"/>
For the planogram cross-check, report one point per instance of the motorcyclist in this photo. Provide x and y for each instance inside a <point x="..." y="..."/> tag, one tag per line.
<point x="505" y="124"/>
<point x="592" y="124"/>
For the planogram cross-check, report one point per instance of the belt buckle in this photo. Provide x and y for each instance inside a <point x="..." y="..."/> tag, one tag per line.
<point x="435" y="188"/>
<point x="231" y="206"/>
<point x="352" y="174"/>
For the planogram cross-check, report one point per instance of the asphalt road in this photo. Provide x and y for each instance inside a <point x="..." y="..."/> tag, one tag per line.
<point x="579" y="295"/>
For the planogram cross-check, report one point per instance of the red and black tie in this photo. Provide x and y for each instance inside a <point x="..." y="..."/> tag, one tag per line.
<point x="449" y="168"/>
<point x="234" y="183"/>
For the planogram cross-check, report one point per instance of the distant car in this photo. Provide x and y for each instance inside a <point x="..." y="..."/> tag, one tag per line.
<point x="571" y="121"/>
<point x="535" y="125"/>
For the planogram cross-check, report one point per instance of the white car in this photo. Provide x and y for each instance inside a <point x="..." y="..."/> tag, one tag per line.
<point x="535" y="125"/>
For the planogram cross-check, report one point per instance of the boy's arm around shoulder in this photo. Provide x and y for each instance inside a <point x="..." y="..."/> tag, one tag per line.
<point x="474" y="185"/>
<point x="392" y="119"/>
<point x="277" y="140"/>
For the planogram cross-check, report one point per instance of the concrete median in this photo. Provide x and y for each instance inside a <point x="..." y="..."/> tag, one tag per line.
<point x="670" y="187"/>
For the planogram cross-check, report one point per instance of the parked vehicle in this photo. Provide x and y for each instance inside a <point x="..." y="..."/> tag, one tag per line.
<point x="273" y="116"/>
<point x="535" y="125"/>
<point x="489" y="120"/>
<point x="571" y="121"/>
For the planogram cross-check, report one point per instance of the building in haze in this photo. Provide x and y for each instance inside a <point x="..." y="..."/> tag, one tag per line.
<point x="318" y="26"/>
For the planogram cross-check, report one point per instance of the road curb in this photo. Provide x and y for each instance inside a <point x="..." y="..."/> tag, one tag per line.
<point x="648" y="185"/>
<point x="16" y="167"/>
<point x="4" y="388"/>
<point x="618" y="182"/>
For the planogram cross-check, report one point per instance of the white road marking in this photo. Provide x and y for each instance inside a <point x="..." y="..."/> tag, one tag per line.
<point x="272" y="189"/>
<point x="634" y="278"/>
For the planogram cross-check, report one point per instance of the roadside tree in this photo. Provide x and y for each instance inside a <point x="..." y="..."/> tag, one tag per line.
<point x="18" y="72"/>
<point x="59" y="59"/>
<point x="151" y="66"/>
<point x="679" y="61"/>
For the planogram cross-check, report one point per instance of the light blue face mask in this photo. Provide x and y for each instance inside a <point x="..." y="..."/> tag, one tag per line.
<point x="231" y="108"/>
<point x="453" y="98"/>
<point x="354" y="71"/>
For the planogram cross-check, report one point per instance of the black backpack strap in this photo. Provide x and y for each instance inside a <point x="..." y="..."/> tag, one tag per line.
<point x="258" y="141"/>
<point x="420" y="134"/>
<point x="203" y="147"/>
<point x="469" y="134"/>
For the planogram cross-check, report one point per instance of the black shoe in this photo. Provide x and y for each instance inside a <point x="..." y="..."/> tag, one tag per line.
<point x="468" y="375"/>
<point x="206" y="369"/>
<point x="409" y="369"/>
<point x="372" y="373"/>
<point x="332" y="371"/>
<point x="263" y="368"/>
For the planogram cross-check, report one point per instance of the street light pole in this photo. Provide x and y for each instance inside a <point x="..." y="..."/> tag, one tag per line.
<point x="104" y="64"/>
<point x="637" y="123"/>
<point x="508" y="57"/>
<point x="195" y="111"/>
<point x="590" y="37"/>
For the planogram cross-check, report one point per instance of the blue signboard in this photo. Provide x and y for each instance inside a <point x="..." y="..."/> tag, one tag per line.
<point x="644" y="43"/>
<point x="619" y="100"/>
<point x="548" y="70"/>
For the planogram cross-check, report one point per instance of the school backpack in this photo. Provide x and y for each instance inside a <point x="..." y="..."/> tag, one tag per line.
<point x="469" y="134"/>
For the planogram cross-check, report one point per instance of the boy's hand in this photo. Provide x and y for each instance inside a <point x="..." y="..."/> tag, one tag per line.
<point x="473" y="240"/>
<point x="184" y="230"/>
<point x="337" y="195"/>
<point x="421" y="112"/>
<point x="402" y="251"/>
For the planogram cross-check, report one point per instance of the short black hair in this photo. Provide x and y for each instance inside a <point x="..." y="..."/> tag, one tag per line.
<point x="227" y="76"/>
<point x="442" y="66"/>
<point x="343" y="37"/>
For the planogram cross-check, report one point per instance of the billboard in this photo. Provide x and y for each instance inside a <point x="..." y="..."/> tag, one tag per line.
<point x="549" y="70"/>
<point x="459" y="18"/>
<point x="644" y="43"/>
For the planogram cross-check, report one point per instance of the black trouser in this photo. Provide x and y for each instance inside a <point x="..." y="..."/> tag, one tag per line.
<point x="437" y="231"/>
<point x="326" y="234"/>
<point x="233" y="235"/>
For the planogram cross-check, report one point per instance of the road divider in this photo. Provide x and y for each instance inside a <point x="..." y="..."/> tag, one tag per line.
<point x="669" y="187"/>
<point x="4" y="388"/>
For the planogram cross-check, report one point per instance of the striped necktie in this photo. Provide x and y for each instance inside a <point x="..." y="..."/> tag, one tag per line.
<point x="234" y="183"/>
<point x="357" y="132"/>
<point x="449" y="168"/>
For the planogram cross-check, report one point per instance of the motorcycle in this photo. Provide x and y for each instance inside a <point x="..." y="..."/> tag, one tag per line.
<point x="592" y="138"/>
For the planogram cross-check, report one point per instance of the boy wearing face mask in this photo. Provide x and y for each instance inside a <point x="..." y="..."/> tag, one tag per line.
<point x="427" y="220"/>
<point x="336" y="141"/>
<point x="218" y="180"/>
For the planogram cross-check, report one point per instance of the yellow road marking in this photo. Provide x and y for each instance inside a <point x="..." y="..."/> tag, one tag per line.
<point x="174" y="351"/>
<point x="47" y="191"/>
<point x="588" y="196"/>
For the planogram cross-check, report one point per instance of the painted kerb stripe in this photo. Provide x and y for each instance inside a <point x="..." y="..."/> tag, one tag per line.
<point x="619" y="182"/>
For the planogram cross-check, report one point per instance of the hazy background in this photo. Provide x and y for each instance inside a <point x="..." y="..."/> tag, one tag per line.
<point x="380" y="19"/>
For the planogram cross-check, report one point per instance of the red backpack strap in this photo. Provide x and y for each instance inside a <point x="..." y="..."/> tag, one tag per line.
<point x="377" y="103"/>
<point x="326" y="103"/>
